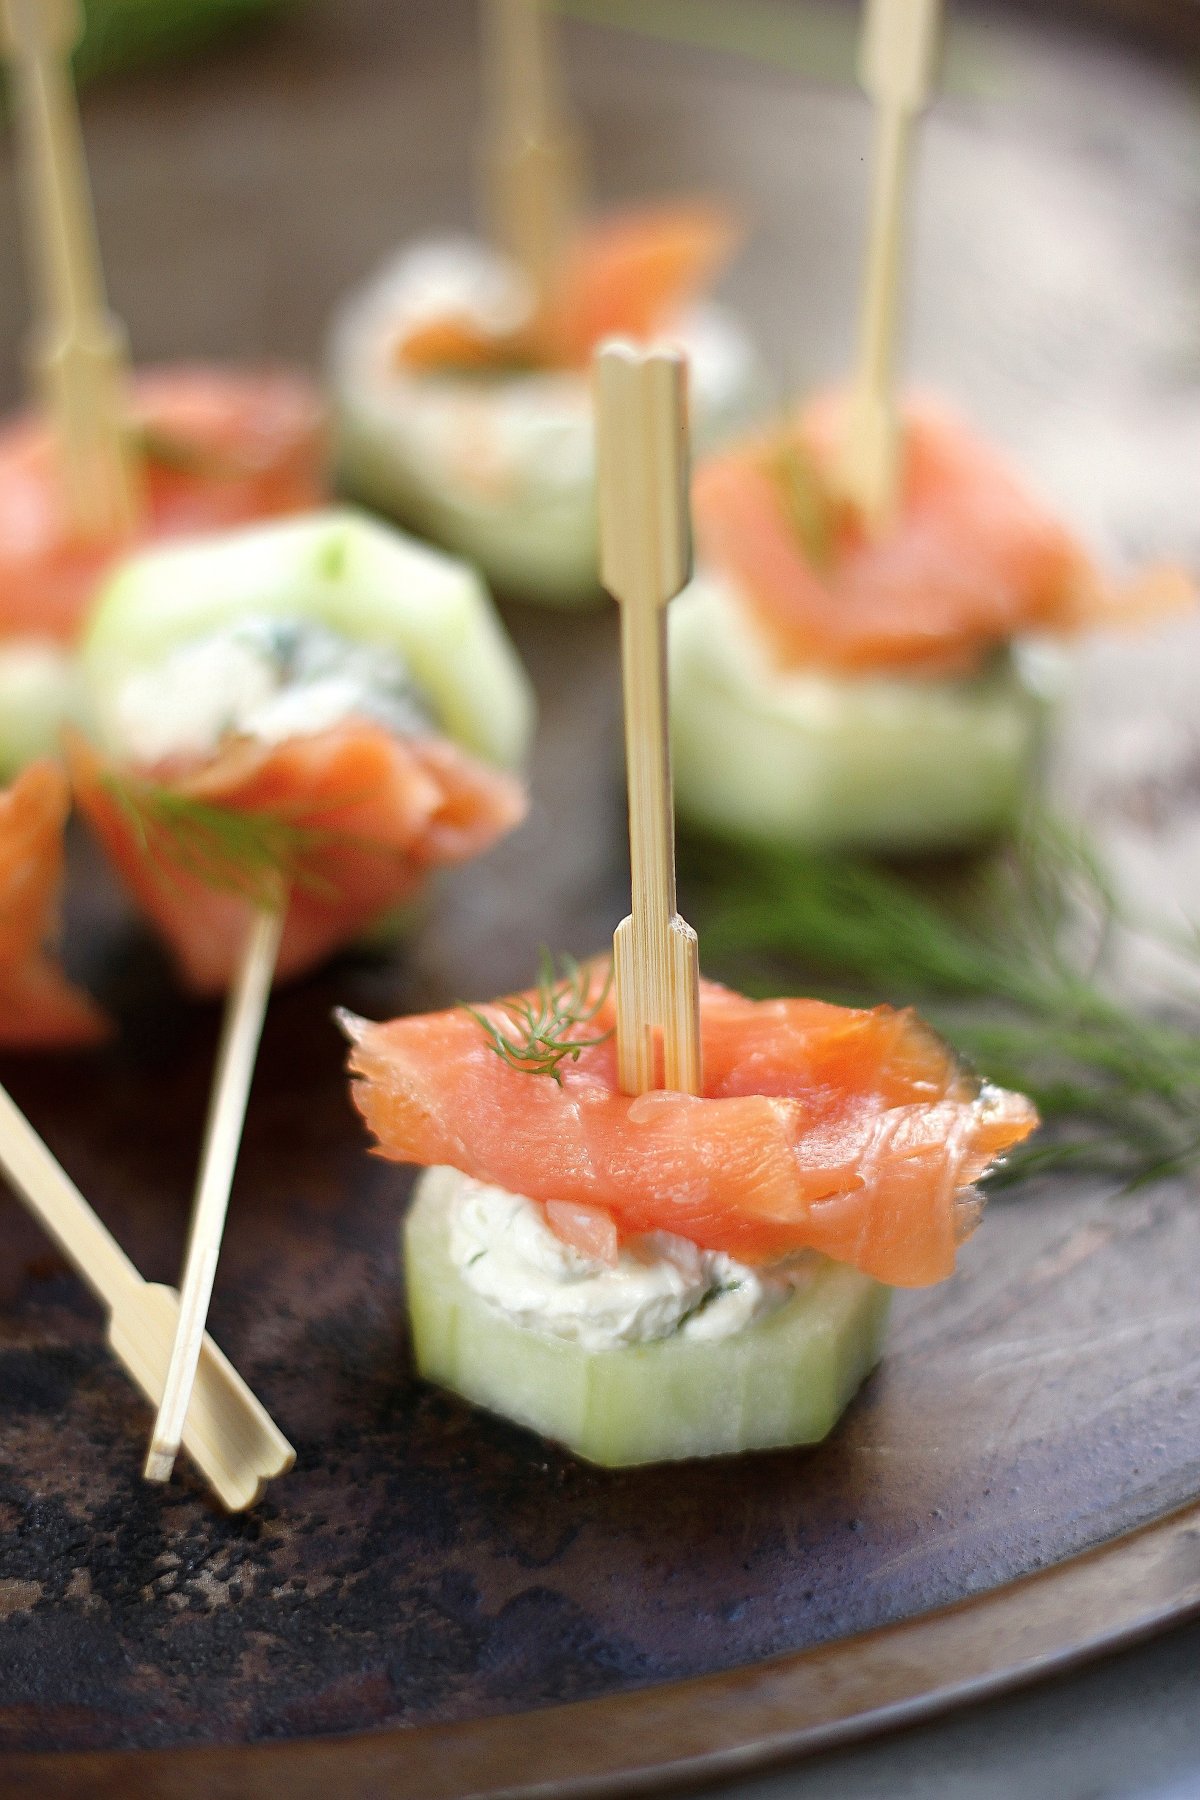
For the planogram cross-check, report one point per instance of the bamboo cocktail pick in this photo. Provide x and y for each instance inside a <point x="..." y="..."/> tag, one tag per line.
<point x="245" y="1010"/>
<point x="532" y="154"/>
<point x="897" y="52"/>
<point x="645" y="559"/>
<point x="230" y="1436"/>
<point x="79" y="354"/>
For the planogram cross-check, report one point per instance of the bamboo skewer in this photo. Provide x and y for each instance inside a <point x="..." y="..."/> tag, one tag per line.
<point x="79" y="352"/>
<point x="645" y="559"/>
<point x="229" y="1435"/>
<point x="244" y="1013"/>
<point x="531" y="152"/>
<point x="897" y="53"/>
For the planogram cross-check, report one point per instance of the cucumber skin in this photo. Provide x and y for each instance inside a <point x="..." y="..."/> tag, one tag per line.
<point x="783" y="1381"/>
<point x="818" y="762"/>
<point x="344" y="570"/>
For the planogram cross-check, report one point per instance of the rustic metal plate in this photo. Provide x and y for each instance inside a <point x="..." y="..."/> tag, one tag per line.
<point x="520" y="1616"/>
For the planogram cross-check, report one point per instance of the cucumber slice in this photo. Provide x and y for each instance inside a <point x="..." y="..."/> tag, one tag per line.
<point x="784" y="1380"/>
<point x="822" y="761"/>
<point x="502" y="469"/>
<point x="38" y="694"/>
<point x="341" y="569"/>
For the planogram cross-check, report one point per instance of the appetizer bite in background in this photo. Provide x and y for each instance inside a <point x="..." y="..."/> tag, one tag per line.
<point x="102" y="460"/>
<point x="314" y="713"/>
<point x="852" y="667"/>
<point x="839" y="686"/>
<point x="460" y="372"/>
<point x="662" y="1220"/>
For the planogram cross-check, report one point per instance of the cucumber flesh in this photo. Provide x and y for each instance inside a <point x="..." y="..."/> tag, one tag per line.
<point x="38" y="695"/>
<point x="339" y="568"/>
<point x="814" y="760"/>
<point x="783" y="1380"/>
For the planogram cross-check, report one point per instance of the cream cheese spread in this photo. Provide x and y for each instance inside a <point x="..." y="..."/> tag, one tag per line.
<point x="266" y="679"/>
<point x="660" y="1283"/>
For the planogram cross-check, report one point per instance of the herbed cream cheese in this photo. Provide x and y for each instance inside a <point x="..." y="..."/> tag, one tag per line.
<point x="266" y="679"/>
<point x="661" y="1284"/>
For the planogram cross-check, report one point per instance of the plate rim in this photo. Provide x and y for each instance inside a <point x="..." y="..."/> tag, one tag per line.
<point x="668" y="1734"/>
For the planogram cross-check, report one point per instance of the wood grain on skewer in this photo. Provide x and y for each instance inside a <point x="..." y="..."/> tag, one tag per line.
<point x="229" y="1435"/>
<point x="79" y="353"/>
<point x="244" y="1013"/>
<point x="531" y="151"/>
<point x="897" y="53"/>
<point x="645" y="559"/>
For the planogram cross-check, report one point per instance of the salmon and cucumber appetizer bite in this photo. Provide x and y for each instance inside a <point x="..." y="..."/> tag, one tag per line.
<point x="459" y="373"/>
<point x="671" y="1275"/>
<point x="659" y="1220"/>
<point x="212" y="448"/>
<point x="311" y="715"/>
<point x="103" y="458"/>
<point x="838" y="684"/>
<point x="40" y="1007"/>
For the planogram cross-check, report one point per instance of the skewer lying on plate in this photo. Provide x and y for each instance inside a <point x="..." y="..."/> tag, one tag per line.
<point x="897" y="51"/>
<point x="228" y="1434"/>
<point x="244" y="1013"/>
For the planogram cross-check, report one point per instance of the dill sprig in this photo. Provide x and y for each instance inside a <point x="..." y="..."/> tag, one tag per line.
<point x="806" y="498"/>
<point x="1009" y="957"/>
<point x="544" y="1028"/>
<point x="259" y="856"/>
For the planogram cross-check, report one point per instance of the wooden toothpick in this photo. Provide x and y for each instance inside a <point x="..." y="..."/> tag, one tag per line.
<point x="897" y="53"/>
<point x="229" y="1435"/>
<point x="245" y="1010"/>
<point x="531" y="152"/>
<point x="645" y="559"/>
<point x="79" y="354"/>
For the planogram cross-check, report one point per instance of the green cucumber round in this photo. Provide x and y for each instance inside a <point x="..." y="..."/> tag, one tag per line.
<point x="38" y="695"/>
<point x="817" y="761"/>
<point x="781" y="1381"/>
<point x="342" y="570"/>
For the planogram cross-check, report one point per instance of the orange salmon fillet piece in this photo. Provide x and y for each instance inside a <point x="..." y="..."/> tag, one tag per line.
<point x="231" y="448"/>
<point x="850" y="1132"/>
<point x="971" y="561"/>
<point x="39" y="1007"/>
<point x="629" y="273"/>
<point x="371" y="815"/>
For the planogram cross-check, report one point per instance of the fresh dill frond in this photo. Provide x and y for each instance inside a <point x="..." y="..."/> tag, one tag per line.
<point x="543" y="1029"/>
<point x="184" y="456"/>
<point x="259" y="856"/>
<point x="1010" y="957"/>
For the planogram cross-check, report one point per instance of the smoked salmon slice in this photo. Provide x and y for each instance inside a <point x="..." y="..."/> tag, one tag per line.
<point x="854" y="1133"/>
<point x="630" y="273"/>
<point x="221" y="448"/>
<point x="351" y="820"/>
<point x="971" y="561"/>
<point x="39" y="1007"/>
